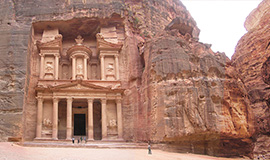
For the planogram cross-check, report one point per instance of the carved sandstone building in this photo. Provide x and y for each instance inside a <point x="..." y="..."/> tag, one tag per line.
<point x="77" y="90"/>
<point x="129" y="70"/>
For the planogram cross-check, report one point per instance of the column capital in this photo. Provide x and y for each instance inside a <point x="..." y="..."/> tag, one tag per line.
<point x="101" y="55"/>
<point x="90" y="100"/>
<point x="41" y="54"/>
<point x="73" y="56"/>
<point x="55" y="99"/>
<point x="118" y="100"/>
<point x="104" y="100"/>
<point x="116" y="55"/>
<point x="69" y="99"/>
<point x="56" y="55"/>
<point x="40" y="99"/>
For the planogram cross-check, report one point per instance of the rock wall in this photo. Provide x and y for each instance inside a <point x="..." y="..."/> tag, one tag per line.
<point x="177" y="90"/>
<point x="191" y="97"/>
<point x="251" y="61"/>
<point x="142" y="19"/>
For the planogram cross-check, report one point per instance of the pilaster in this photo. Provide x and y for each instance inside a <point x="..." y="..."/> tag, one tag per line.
<point x="39" y="117"/>
<point x="102" y="67"/>
<point x="41" y="74"/>
<point x="104" y="118"/>
<point x="90" y="120"/>
<point x="69" y="118"/>
<point x="119" y="118"/>
<point x="55" y="119"/>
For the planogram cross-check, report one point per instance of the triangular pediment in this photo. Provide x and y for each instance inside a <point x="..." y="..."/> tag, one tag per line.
<point x="79" y="85"/>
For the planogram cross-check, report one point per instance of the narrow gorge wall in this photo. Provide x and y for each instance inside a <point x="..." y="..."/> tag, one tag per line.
<point x="251" y="61"/>
<point x="177" y="90"/>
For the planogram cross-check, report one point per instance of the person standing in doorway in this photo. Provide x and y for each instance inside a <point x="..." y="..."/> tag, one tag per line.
<point x="73" y="140"/>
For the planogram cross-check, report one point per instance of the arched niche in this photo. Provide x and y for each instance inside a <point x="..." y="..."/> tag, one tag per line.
<point x="79" y="55"/>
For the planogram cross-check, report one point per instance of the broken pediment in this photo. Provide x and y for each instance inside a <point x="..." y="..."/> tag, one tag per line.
<point x="103" y="44"/>
<point x="55" y="44"/>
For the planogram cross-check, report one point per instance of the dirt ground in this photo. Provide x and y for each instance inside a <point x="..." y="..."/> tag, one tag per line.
<point x="10" y="151"/>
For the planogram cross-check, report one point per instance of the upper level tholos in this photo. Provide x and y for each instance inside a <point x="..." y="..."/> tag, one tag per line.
<point x="84" y="53"/>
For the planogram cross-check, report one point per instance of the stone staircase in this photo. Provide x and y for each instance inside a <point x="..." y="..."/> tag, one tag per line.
<point x="94" y="144"/>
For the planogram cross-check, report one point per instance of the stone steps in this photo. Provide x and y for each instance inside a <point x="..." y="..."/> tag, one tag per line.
<point x="96" y="145"/>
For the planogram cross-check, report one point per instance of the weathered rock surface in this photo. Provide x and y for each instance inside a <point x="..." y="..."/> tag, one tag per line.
<point x="251" y="61"/>
<point x="192" y="98"/>
<point x="177" y="90"/>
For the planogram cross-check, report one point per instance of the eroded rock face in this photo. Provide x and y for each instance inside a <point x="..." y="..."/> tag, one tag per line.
<point x="192" y="98"/>
<point x="251" y="61"/>
<point x="177" y="90"/>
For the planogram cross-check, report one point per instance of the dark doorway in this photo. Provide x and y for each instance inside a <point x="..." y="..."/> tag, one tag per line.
<point x="79" y="125"/>
<point x="97" y="120"/>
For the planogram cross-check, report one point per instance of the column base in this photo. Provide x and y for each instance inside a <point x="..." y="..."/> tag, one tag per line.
<point x="54" y="138"/>
<point x="90" y="140"/>
<point x="38" y="138"/>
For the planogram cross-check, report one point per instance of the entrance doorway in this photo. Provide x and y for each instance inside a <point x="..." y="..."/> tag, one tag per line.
<point x="97" y="120"/>
<point x="79" y="125"/>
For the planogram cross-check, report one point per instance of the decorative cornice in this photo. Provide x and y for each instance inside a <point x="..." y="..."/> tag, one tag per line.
<point x="102" y="44"/>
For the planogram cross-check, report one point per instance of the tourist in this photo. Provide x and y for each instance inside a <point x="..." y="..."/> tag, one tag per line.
<point x="149" y="148"/>
<point x="85" y="140"/>
<point x="73" y="140"/>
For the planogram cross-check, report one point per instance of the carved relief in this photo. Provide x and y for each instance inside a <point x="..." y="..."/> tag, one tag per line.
<point x="79" y="69"/>
<point x="47" y="123"/>
<point x="110" y="68"/>
<point x="112" y="123"/>
<point x="49" y="67"/>
<point x="79" y="40"/>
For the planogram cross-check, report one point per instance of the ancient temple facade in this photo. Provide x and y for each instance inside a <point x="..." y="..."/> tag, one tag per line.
<point x="78" y="92"/>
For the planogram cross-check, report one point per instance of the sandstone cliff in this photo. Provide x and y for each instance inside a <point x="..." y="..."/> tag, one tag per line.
<point x="177" y="90"/>
<point x="251" y="61"/>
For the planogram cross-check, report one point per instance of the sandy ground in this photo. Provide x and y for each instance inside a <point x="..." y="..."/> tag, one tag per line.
<point x="10" y="151"/>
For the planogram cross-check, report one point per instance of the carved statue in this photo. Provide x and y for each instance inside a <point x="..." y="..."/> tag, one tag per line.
<point x="49" y="67"/>
<point x="110" y="68"/>
<point x="79" y="40"/>
<point x="79" y="69"/>
<point x="47" y="123"/>
<point x="113" y="123"/>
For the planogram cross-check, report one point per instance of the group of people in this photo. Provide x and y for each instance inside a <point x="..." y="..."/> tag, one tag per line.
<point x="79" y="140"/>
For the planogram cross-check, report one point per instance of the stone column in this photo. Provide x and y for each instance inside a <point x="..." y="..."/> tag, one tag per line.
<point x="69" y="118"/>
<point x="56" y="63"/>
<point x="73" y="68"/>
<point x="39" y="117"/>
<point x="119" y="119"/>
<point x="104" y="118"/>
<point x="85" y="68"/>
<point x="117" y="66"/>
<point x="90" y="120"/>
<point x="42" y="57"/>
<point x="55" y="119"/>
<point x="102" y="67"/>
